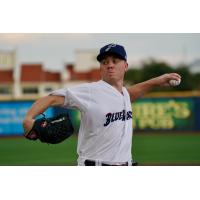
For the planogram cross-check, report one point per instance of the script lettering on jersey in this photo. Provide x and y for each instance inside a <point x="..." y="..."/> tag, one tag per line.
<point x="123" y="115"/>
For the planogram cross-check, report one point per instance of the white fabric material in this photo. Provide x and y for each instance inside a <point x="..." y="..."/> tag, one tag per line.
<point x="105" y="133"/>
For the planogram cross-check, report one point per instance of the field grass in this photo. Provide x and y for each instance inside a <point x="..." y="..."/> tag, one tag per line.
<point x="148" y="149"/>
<point x="167" y="149"/>
<point x="19" y="151"/>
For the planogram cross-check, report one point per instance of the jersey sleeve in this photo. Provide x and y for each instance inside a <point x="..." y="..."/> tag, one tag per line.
<point x="77" y="97"/>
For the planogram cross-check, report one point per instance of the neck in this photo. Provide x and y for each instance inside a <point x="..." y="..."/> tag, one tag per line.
<point x="116" y="84"/>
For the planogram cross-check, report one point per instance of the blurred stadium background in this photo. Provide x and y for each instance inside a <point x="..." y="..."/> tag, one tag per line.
<point x="166" y="121"/>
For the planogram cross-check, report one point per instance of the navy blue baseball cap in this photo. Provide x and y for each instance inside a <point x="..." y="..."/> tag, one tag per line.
<point x="114" y="49"/>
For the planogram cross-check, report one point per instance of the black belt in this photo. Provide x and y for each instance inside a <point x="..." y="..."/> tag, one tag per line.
<point x="93" y="163"/>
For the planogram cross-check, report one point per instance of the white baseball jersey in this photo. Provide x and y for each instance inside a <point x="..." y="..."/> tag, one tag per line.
<point x="105" y="132"/>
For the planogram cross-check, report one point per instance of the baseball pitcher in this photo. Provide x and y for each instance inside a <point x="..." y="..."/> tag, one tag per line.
<point x="105" y="134"/>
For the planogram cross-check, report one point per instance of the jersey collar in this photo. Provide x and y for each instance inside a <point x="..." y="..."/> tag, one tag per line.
<point x="113" y="88"/>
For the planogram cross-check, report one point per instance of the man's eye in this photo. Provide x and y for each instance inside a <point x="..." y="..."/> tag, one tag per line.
<point x="115" y="61"/>
<point x="104" y="62"/>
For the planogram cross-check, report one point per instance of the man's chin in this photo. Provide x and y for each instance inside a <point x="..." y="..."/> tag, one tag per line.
<point x="112" y="79"/>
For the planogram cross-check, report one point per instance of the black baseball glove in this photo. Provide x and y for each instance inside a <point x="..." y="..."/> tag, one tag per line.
<point x="51" y="130"/>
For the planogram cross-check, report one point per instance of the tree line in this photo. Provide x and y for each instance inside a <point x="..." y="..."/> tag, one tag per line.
<point x="153" y="68"/>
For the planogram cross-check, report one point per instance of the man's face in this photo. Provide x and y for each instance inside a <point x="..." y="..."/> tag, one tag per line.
<point x="112" y="68"/>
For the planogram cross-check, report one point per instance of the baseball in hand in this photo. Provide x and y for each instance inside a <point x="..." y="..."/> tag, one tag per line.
<point x="174" y="82"/>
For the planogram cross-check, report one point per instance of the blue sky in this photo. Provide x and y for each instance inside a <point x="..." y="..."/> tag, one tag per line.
<point x="55" y="49"/>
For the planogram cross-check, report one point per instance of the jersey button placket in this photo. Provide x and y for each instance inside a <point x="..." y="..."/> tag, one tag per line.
<point x="125" y="126"/>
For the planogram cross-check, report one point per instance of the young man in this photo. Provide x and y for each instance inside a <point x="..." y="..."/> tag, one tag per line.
<point x="105" y="134"/>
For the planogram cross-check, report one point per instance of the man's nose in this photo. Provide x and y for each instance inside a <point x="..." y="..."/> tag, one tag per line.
<point x="110" y="65"/>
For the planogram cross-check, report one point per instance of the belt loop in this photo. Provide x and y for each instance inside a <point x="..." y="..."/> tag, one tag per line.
<point x="130" y="163"/>
<point x="98" y="163"/>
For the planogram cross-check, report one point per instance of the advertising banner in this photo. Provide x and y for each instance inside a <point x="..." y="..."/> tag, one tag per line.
<point x="12" y="114"/>
<point x="164" y="114"/>
<point x="176" y="114"/>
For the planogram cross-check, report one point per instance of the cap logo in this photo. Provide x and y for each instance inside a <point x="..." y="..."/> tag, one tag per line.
<point x="110" y="46"/>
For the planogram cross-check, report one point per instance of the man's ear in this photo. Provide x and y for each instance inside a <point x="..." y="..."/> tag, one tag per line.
<point x="126" y="67"/>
